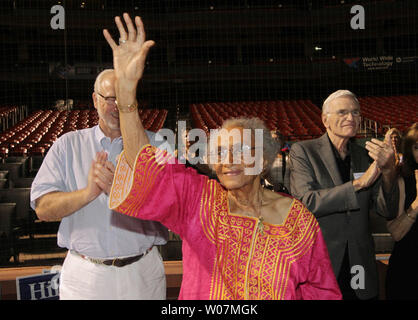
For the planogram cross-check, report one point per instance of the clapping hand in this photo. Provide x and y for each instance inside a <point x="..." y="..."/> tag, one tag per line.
<point x="100" y="176"/>
<point x="368" y="178"/>
<point x="103" y="172"/>
<point x="383" y="154"/>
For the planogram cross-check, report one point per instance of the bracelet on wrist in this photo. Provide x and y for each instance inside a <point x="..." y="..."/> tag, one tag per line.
<point x="129" y="108"/>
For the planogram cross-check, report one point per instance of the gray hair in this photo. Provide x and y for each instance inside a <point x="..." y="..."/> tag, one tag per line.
<point x="270" y="146"/>
<point x="100" y="76"/>
<point x="335" y="95"/>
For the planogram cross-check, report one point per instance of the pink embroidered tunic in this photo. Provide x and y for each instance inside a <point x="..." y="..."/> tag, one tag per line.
<point x="225" y="256"/>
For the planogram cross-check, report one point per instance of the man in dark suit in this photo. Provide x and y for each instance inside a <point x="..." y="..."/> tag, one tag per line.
<point x="333" y="177"/>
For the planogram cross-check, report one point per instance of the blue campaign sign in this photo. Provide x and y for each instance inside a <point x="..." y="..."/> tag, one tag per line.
<point x="38" y="287"/>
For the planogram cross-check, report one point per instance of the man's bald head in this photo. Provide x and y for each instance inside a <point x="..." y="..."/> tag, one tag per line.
<point x="107" y="74"/>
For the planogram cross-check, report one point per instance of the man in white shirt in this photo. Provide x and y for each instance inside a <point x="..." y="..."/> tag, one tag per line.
<point x="111" y="256"/>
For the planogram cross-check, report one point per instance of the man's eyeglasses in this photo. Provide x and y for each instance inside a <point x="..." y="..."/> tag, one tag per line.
<point x="344" y="113"/>
<point x="109" y="100"/>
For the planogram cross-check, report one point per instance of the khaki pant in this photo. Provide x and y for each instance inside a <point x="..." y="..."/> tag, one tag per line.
<point x="81" y="279"/>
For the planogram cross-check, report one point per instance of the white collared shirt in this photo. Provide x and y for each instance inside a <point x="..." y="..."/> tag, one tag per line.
<point x="94" y="230"/>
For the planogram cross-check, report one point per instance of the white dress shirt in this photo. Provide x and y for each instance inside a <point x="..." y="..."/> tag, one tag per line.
<point x="94" y="230"/>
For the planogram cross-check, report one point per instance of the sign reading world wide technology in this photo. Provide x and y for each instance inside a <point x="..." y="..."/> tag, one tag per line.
<point x="380" y="63"/>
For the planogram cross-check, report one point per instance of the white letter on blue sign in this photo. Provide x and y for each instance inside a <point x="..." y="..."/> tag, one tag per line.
<point x="41" y="290"/>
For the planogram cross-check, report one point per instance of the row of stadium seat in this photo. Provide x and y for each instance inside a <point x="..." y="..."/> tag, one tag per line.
<point x="391" y="111"/>
<point x="18" y="222"/>
<point x="299" y="119"/>
<point x="35" y="134"/>
<point x="10" y="115"/>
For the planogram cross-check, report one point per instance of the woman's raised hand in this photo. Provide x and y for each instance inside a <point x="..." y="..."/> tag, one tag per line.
<point x="130" y="55"/>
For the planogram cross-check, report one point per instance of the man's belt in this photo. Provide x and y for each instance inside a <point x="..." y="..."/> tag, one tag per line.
<point x="117" y="262"/>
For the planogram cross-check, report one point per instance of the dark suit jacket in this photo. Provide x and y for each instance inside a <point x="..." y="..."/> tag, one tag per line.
<point x="342" y="213"/>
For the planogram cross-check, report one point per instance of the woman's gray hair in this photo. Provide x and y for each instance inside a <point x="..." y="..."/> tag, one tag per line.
<point x="270" y="146"/>
<point x="335" y="95"/>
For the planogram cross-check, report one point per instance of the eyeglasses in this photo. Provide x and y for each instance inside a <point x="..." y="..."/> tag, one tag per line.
<point x="109" y="100"/>
<point x="344" y="113"/>
<point x="237" y="151"/>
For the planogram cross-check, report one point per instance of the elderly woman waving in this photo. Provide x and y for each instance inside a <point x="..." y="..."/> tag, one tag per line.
<point x="240" y="241"/>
